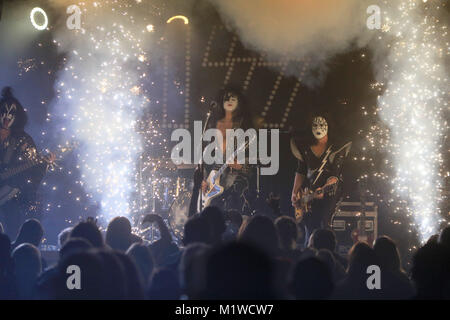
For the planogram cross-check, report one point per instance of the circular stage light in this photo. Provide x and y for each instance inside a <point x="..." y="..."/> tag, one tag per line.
<point x="33" y="21"/>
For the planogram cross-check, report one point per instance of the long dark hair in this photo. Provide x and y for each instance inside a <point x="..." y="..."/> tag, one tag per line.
<point x="21" y="117"/>
<point x="242" y="113"/>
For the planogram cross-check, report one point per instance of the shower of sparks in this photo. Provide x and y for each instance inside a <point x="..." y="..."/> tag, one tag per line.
<point x="102" y="98"/>
<point x="413" y="106"/>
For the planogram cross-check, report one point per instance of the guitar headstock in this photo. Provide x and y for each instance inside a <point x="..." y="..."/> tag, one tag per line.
<point x="63" y="150"/>
<point x="58" y="154"/>
<point x="31" y="154"/>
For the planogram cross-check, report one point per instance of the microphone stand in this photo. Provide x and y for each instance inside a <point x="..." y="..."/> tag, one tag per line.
<point x="208" y="116"/>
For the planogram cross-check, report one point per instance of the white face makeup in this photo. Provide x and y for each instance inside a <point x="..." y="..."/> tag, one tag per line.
<point x="8" y="116"/>
<point x="230" y="102"/>
<point x="319" y="127"/>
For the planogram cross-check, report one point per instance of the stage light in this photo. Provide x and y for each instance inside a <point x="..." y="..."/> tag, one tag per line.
<point x="186" y="20"/>
<point x="33" y="21"/>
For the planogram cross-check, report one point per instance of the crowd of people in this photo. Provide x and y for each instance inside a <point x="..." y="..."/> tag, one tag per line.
<point x="223" y="256"/>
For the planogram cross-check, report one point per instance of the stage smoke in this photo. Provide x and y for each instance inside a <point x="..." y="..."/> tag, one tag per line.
<point x="309" y="30"/>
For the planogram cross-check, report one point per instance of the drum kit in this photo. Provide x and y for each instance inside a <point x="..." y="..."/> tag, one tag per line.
<point x="166" y="189"/>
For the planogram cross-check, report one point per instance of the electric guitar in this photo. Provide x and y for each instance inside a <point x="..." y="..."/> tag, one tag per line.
<point x="12" y="181"/>
<point x="307" y="196"/>
<point x="214" y="189"/>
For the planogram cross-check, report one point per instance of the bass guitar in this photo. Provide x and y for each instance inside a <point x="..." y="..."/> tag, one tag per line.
<point x="14" y="179"/>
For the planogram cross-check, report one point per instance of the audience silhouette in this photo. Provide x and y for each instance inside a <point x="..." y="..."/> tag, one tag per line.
<point x="222" y="256"/>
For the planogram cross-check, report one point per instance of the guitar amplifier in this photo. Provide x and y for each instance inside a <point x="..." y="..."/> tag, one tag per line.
<point x="347" y="219"/>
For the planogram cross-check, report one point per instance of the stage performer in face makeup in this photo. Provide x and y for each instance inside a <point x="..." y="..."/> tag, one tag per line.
<point x="234" y="180"/>
<point x="22" y="168"/>
<point x="318" y="175"/>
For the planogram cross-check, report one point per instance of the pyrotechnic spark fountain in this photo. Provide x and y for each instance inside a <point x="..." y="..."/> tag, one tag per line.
<point x="413" y="105"/>
<point x="101" y="99"/>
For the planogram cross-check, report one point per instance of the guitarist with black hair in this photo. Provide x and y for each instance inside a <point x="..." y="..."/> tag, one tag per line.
<point x="317" y="177"/>
<point x="234" y="178"/>
<point x="22" y="169"/>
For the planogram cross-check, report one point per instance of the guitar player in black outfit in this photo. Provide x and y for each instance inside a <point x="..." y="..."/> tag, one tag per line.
<point x="319" y="164"/>
<point x="232" y="113"/>
<point x="18" y="192"/>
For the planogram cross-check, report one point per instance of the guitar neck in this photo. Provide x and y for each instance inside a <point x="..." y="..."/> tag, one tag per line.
<point x="221" y="170"/>
<point x="327" y="188"/>
<point x="12" y="172"/>
<point x="225" y="165"/>
<point x="31" y="162"/>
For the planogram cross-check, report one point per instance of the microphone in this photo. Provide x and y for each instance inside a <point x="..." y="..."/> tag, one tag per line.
<point x="213" y="104"/>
